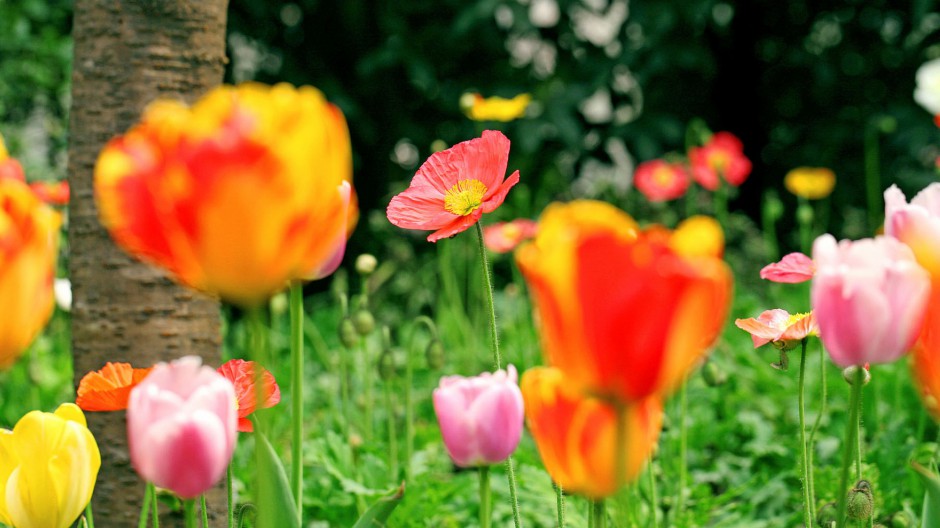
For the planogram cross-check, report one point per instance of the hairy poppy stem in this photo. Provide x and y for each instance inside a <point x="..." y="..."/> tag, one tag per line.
<point x="559" y="504"/>
<point x="494" y="342"/>
<point x="812" y="433"/>
<point x="297" y="393"/>
<point x="807" y="499"/>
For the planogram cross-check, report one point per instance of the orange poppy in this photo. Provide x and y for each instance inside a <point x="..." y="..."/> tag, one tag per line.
<point x="109" y="388"/>
<point x="242" y="375"/>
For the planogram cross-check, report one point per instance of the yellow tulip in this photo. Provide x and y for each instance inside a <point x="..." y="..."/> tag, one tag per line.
<point x="48" y="467"/>
<point x="28" y="238"/>
<point x="812" y="183"/>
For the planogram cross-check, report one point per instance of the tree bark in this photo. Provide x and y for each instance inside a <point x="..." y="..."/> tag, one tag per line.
<point x="126" y="54"/>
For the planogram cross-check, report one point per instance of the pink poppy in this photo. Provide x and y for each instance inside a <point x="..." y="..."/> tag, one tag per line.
<point x="721" y="158"/>
<point x="454" y="187"/>
<point x="792" y="269"/>
<point x="779" y="327"/>
<point x="660" y="181"/>
<point x="503" y="237"/>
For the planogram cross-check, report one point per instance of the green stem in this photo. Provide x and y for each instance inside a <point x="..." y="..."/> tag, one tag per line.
<point x="654" y="501"/>
<point x="145" y="508"/>
<point x="804" y="460"/>
<point x="189" y="507"/>
<point x="297" y="393"/>
<point x="89" y="518"/>
<point x="812" y="433"/>
<point x="488" y="290"/>
<point x="368" y="368"/>
<point x="485" y="497"/>
<point x="683" y="448"/>
<point x="599" y="514"/>
<point x="720" y="201"/>
<point x="205" y="511"/>
<point x="851" y="429"/>
<point x="804" y="218"/>
<point x="392" y="433"/>
<point x="858" y="437"/>
<point x="155" y="513"/>
<point x="409" y="376"/>
<point x="230" y="514"/>
<point x="559" y="504"/>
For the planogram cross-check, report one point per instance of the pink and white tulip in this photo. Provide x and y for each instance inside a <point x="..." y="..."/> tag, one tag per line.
<point x="869" y="298"/>
<point x="480" y="417"/>
<point x="181" y="426"/>
<point x="917" y="224"/>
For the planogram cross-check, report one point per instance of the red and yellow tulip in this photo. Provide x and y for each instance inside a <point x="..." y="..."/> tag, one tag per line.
<point x="577" y="435"/>
<point x="236" y="195"/>
<point x="625" y="313"/>
<point x="29" y="232"/>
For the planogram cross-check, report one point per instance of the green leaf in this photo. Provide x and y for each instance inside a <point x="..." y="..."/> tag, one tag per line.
<point x="276" y="508"/>
<point x="378" y="513"/>
<point x="931" y="514"/>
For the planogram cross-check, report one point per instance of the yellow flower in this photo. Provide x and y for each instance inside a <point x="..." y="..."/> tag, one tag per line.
<point x="479" y="108"/>
<point x="812" y="183"/>
<point x="48" y="467"/>
<point x="29" y="233"/>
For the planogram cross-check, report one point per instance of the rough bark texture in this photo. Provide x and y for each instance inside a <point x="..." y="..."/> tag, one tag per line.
<point x="127" y="53"/>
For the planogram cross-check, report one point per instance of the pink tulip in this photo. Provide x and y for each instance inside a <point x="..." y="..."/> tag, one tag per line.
<point x="181" y="426"/>
<point x="917" y="224"/>
<point x="480" y="417"/>
<point x="869" y="298"/>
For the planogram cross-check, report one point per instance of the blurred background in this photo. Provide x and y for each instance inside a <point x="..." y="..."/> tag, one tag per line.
<point x="614" y="83"/>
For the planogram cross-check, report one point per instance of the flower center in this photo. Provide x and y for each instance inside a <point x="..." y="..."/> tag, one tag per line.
<point x="464" y="197"/>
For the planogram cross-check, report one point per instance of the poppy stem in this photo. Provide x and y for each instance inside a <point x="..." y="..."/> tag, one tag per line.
<point x="189" y="507"/>
<point x="297" y="392"/>
<point x="485" y="497"/>
<point x="804" y="460"/>
<point x="230" y="514"/>
<point x="812" y="433"/>
<point x="851" y="430"/>
<point x="683" y="448"/>
<point x="392" y="432"/>
<point x="494" y="342"/>
<point x="559" y="504"/>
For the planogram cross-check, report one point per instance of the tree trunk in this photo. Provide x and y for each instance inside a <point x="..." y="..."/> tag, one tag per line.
<point x="127" y="53"/>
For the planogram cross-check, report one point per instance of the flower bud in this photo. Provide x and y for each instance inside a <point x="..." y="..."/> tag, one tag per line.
<point x="859" y="501"/>
<point x="348" y="335"/>
<point x="848" y="374"/>
<point x="713" y="375"/>
<point x="435" y="354"/>
<point x="365" y="264"/>
<point x="363" y="321"/>
<point x="387" y="365"/>
<point x="826" y="517"/>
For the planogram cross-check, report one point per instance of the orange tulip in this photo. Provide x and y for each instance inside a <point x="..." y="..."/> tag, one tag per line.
<point x="625" y="313"/>
<point x="29" y="232"/>
<point x="246" y="190"/>
<point x="577" y="435"/>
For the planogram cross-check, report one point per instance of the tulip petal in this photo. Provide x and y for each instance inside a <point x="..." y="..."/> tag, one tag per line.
<point x="498" y="414"/>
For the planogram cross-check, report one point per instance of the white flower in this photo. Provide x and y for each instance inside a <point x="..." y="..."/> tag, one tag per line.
<point x="927" y="92"/>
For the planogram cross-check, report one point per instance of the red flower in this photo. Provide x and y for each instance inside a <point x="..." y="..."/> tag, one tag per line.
<point x="454" y="187"/>
<point x="503" y="237"/>
<point x="54" y="193"/>
<point x="779" y="327"/>
<point x="722" y="157"/>
<point x="241" y="374"/>
<point x="792" y="269"/>
<point x="109" y="388"/>
<point x="660" y="180"/>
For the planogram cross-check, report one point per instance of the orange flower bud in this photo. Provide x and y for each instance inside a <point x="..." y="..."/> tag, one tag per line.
<point x="577" y="435"/>
<point x="246" y="190"/>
